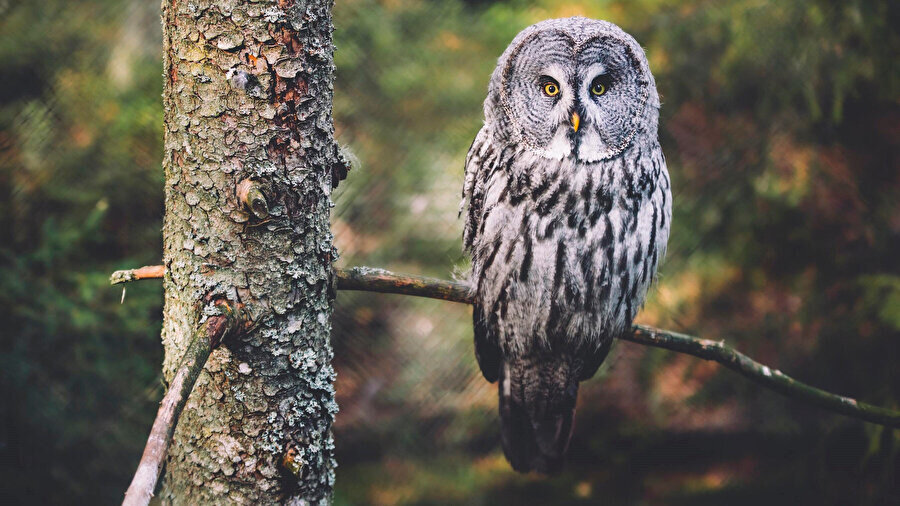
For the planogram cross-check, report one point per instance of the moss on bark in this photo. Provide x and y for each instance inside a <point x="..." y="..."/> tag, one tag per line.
<point x="248" y="95"/>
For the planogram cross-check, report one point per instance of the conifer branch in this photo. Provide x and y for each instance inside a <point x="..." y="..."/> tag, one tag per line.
<point x="380" y="280"/>
<point x="206" y="338"/>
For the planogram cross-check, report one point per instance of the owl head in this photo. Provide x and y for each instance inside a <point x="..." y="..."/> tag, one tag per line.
<point x="573" y="88"/>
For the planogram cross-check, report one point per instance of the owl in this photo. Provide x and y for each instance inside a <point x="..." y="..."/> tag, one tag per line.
<point x="567" y="208"/>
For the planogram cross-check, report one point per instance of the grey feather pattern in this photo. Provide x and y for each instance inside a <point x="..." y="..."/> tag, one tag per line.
<point x="565" y="226"/>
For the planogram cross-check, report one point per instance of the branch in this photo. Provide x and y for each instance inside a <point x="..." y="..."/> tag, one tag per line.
<point x="147" y="272"/>
<point x="770" y="378"/>
<point x="206" y="338"/>
<point x="380" y="280"/>
<point x="369" y="279"/>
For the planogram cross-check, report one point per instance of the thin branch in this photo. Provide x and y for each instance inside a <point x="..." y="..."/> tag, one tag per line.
<point x="366" y="279"/>
<point x="206" y="337"/>
<point x="380" y="280"/>
<point x="774" y="379"/>
<point x="146" y="272"/>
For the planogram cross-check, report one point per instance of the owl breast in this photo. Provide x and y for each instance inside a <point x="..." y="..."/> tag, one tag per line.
<point x="563" y="252"/>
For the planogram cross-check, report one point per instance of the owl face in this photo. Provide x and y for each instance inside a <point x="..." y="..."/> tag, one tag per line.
<point x="576" y="88"/>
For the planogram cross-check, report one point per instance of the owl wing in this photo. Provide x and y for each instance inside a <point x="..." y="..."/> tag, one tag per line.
<point x="487" y="350"/>
<point x="477" y="170"/>
<point x="478" y="167"/>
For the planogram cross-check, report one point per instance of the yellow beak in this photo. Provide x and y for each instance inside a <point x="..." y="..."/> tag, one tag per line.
<point x="576" y="120"/>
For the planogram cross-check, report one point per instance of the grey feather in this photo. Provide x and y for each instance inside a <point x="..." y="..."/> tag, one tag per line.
<point x="565" y="228"/>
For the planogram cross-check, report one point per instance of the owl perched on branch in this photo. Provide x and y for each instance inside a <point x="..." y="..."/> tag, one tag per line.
<point x="568" y="211"/>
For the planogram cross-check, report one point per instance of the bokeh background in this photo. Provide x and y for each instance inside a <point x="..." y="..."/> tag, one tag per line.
<point x="781" y="126"/>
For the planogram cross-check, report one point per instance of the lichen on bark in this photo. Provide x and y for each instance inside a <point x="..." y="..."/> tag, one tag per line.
<point x="248" y="95"/>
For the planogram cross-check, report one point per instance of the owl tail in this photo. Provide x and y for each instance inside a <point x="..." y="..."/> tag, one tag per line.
<point x="537" y="407"/>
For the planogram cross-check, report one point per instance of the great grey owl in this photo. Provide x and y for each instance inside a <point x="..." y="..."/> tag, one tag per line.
<point x="568" y="210"/>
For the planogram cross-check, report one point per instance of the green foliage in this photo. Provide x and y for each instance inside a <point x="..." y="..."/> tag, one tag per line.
<point x="80" y="194"/>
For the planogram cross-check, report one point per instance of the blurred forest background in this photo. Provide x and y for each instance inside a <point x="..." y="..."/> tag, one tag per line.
<point x="781" y="126"/>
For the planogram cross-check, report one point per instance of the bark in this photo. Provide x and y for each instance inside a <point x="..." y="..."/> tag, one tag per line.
<point x="247" y="97"/>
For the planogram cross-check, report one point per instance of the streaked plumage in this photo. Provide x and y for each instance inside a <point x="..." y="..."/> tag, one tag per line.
<point x="566" y="220"/>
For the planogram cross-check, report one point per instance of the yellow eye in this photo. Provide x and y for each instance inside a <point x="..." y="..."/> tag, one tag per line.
<point x="551" y="89"/>
<point x="598" y="88"/>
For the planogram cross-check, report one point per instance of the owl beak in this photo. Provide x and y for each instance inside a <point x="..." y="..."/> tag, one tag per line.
<point x="576" y="120"/>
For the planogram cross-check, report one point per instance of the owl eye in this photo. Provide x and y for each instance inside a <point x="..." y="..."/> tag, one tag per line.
<point x="600" y="85"/>
<point x="551" y="89"/>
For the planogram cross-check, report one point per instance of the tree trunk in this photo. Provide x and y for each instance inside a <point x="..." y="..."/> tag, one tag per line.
<point x="250" y="161"/>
